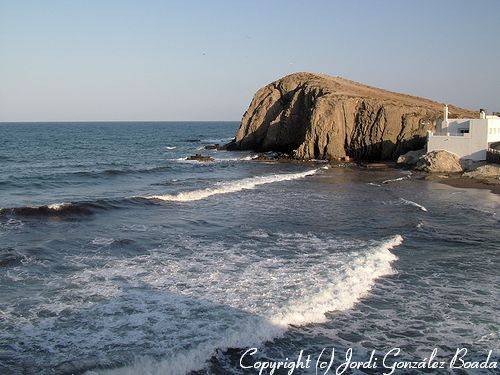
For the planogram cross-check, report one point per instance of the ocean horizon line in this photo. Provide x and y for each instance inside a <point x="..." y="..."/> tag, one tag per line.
<point x="118" y="121"/>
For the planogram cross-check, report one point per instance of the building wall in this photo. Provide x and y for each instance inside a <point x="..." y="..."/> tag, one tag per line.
<point x="479" y="139"/>
<point x="470" y="145"/>
<point x="454" y="126"/>
<point x="493" y="130"/>
<point x="460" y="145"/>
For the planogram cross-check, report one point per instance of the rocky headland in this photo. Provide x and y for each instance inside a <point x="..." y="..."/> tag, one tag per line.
<point x="306" y="116"/>
<point x="316" y="116"/>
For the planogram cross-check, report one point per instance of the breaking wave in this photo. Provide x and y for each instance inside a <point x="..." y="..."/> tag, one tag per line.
<point x="395" y="179"/>
<point x="414" y="204"/>
<point x="90" y="207"/>
<point x="231" y="187"/>
<point x="346" y="286"/>
<point x="354" y="281"/>
<point x="407" y="176"/>
<point x="215" y="159"/>
<point x="61" y="209"/>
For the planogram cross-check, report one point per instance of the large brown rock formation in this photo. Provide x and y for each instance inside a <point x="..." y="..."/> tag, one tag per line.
<point x="315" y="116"/>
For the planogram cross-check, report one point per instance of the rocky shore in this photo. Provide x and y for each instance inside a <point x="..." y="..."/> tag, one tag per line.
<point x="316" y="116"/>
<point x="306" y="116"/>
<point x="446" y="167"/>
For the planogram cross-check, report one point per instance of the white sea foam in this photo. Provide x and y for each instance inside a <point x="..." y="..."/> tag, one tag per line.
<point x="102" y="241"/>
<point x="11" y="224"/>
<point x="236" y="294"/>
<point x="353" y="282"/>
<point x="243" y="158"/>
<point x="215" y="160"/>
<point x="217" y="140"/>
<point x="339" y="289"/>
<point x="170" y="147"/>
<point x="58" y="206"/>
<point x="411" y="203"/>
<point x="395" y="179"/>
<point x="231" y="187"/>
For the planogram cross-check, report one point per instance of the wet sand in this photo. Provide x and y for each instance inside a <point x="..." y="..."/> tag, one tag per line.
<point x="470" y="183"/>
<point x="451" y="180"/>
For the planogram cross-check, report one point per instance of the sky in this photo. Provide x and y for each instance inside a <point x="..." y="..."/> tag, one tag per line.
<point x="187" y="60"/>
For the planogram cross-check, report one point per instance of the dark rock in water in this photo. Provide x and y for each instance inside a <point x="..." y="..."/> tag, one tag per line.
<point x="314" y="116"/>
<point x="192" y="140"/>
<point x="215" y="146"/>
<point x="227" y="146"/>
<point x="263" y="158"/>
<point x="199" y="157"/>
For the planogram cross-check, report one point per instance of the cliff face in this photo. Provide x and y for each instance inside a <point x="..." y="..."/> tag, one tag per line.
<point x="313" y="116"/>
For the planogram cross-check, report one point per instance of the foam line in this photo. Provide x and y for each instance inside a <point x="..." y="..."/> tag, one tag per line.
<point x="231" y="187"/>
<point x="346" y="287"/>
<point x="411" y="203"/>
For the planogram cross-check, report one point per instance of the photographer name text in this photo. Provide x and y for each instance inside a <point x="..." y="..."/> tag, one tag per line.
<point x="391" y="362"/>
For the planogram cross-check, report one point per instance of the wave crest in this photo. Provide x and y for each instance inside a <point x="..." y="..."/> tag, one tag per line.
<point x="60" y="209"/>
<point x="231" y="187"/>
<point x="414" y="204"/>
<point x="347" y="286"/>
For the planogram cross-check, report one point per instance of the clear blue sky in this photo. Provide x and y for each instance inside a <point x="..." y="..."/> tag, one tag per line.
<point x="203" y="60"/>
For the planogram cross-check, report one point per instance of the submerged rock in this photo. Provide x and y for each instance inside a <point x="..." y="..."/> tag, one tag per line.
<point x="411" y="157"/>
<point x="439" y="161"/>
<point x="263" y="158"/>
<point x="315" y="116"/>
<point x="199" y="157"/>
<point x="214" y="146"/>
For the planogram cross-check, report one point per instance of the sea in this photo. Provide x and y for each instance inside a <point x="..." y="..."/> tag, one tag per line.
<point x="119" y="256"/>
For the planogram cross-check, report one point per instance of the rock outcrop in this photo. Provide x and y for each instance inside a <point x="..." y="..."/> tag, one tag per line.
<point x="199" y="157"/>
<point x="314" y="116"/>
<point x="410" y="158"/>
<point x="439" y="161"/>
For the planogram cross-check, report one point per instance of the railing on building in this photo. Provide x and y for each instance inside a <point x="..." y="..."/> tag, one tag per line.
<point x="493" y="156"/>
<point x="445" y="134"/>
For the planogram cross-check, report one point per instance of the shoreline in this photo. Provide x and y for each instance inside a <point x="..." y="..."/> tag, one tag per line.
<point x="467" y="183"/>
<point x="453" y="180"/>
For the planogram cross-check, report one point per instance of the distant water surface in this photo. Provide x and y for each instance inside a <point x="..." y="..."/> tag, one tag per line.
<point x="119" y="256"/>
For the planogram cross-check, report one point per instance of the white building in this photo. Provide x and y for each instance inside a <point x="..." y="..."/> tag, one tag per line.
<point x="468" y="138"/>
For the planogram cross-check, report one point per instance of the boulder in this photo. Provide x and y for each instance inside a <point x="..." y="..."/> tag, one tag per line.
<point x="199" y="157"/>
<point x="484" y="172"/>
<point x="316" y="116"/>
<point x="214" y="146"/>
<point x="262" y="158"/>
<point x="439" y="161"/>
<point x="411" y="157"/>
<point x="469" y="164"/>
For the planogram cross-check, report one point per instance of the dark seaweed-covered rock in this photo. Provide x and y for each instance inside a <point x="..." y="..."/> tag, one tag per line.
<point x="199" y="157"/>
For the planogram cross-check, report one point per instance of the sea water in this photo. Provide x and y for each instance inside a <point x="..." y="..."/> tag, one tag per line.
<point x="117" y="255"/>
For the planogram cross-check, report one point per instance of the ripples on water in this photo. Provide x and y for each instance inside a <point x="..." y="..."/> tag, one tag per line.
<point x="118" y="256"/>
